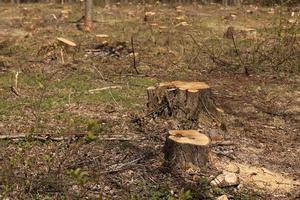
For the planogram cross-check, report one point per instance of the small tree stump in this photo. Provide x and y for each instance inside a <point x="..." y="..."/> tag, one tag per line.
<point x="186" y="148"/>
<point x="182" y="100"/>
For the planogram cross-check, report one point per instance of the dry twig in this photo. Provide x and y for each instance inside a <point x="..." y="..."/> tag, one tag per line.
<point x="134" y="59"/>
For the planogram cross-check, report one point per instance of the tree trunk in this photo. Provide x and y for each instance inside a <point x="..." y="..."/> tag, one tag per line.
<point x="236" y="2"/>
<point x="82" y="5"/>
<point x="88" y="20"/>
<point x="181" y="100"/>
<point x="186" y="148"/>
<point x="107" y="3"/>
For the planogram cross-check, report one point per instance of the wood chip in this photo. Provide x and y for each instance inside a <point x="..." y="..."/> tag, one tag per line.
<point x="66" y="41"/>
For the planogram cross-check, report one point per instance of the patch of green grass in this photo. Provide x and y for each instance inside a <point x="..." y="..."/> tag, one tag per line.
<point x="142" y="81"/>
<point x="6" y="80"/>
<point x="11" y="106"/>
<point x="74" y="82"/>
<point x="246" y="194"/>
<point x="132" y="96"/>
<point x="97" y="128"/>
<point x="57" y="101"/>
<point x="100" y="97"/>
<point x="159" y="193"/>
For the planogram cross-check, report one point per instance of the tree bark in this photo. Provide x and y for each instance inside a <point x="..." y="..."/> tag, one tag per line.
<point x="186" y="148"/>
<point x="236" y="2"/>
<point x="181" y="100"/>
<point x="88" y="19"/>
<point x="107" y="3"/>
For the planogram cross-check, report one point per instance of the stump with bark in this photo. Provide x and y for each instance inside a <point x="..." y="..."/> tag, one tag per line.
<point x="186" y="148"/>
<point x="88" y="17"/>
<point x="181" y="100"/>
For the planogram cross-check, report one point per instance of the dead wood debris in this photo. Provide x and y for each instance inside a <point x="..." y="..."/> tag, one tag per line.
<point x="3" y="67"/>
<point x="92" y="91"/>
<point x="122" y="166"/>
<point x="224" y="148"/>
<point x="44" y="137"/>
<point x="105" y="49"/>
<point x="15" y="91"/>
<point x="222" y="143"/>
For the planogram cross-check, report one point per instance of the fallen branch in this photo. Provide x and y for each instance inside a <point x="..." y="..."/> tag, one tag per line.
<point x="92" y="91"/>
<point x="15" y="91"/>
<point x="36" y="137"/>
<point x="122" y="166"/>
<point x="222" y="143"/>
<point x="224" y="154"/>
<point x="62" y="138"/>
<point x="120" y="139"/>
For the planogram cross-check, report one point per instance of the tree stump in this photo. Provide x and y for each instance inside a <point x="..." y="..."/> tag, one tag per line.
<point x="186" y="148"/>
<point x="182" y="100"/>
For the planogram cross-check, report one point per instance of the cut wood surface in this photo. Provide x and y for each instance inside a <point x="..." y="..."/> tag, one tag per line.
<point x="66" y="41"/>
<point x="190" y="86"/>
<point x="189" y="137"/>
<point x="102" y="36"/>
<point x="182" y="100"/>
<point x="186" y="148"/>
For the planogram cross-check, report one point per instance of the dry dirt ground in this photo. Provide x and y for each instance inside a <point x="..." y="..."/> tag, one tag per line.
<point x="105" y="144"/>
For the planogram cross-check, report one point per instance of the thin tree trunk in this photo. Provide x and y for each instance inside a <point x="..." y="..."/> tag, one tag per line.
<point x="107" y="3"/>
<point x="88" y="20"/>
<point x="235" y="2"/>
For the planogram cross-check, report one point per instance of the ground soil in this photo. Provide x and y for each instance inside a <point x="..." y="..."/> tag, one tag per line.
<point x="113" y="144"/>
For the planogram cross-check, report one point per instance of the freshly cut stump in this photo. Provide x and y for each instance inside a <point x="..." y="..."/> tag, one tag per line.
<point x="186" y="148"/>
<point x="182" y="100"/>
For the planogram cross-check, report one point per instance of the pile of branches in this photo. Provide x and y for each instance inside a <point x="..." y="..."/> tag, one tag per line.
<point x="116" y="49"/>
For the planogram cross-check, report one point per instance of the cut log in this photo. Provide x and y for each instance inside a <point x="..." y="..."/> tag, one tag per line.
<point x="186" y="148"/>
<point x="181" y="100"/>
<point x="66" y="41"/>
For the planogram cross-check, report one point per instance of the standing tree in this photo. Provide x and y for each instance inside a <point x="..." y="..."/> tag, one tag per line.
<point x="107" y="3"/>
<point x="237" y="2"/>
<point x="88" y="18"/>
<point x="225" y="3"/>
